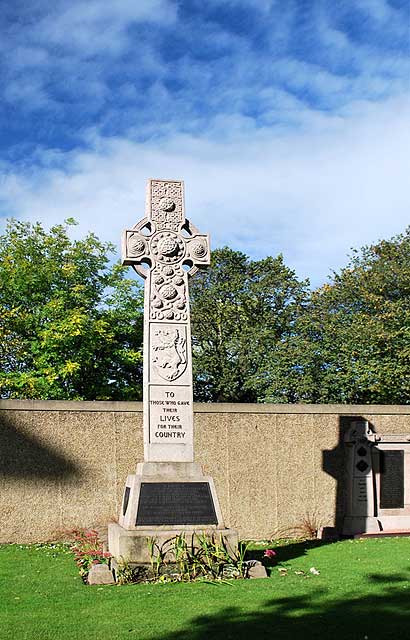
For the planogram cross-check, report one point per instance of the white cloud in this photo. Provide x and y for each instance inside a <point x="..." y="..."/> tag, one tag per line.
<point x="31" y="92"/>
<point x="97" y="26"/>
<point x="379" y="10"/>
<point x="108" y="64"/>
<point x="312" y="195"/>
<point x="29" y="57"/>
<point x="66" y="53"/>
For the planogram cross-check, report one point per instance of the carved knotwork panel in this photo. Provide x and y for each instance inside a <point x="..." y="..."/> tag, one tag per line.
<point x="166" y="204"/>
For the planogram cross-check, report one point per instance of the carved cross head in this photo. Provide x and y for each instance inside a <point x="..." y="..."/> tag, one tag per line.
<point x="164" y="240"/>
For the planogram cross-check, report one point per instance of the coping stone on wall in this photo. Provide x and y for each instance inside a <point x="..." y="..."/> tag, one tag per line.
<point x="220" y="407"/>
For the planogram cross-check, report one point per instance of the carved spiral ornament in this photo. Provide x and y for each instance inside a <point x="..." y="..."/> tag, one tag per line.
<point x="168" y="292"/>
<point x="198" y="249"/>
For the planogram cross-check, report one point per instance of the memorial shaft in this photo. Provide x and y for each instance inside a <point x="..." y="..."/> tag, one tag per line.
<point x="166" y="249"/>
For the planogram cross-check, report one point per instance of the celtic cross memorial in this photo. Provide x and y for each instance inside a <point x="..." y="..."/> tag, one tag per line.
<point x="166" y="249"/>
<point x="169" y="493"/>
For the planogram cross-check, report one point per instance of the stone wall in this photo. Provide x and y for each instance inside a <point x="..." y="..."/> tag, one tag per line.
<point x="276" y="467"/>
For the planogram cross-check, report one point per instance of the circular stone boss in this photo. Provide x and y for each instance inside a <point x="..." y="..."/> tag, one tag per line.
<point x="167" y="247"/>
<point x="168" y="292"/>
<point x="167" y="204"/>
<point x="136" y="245"/>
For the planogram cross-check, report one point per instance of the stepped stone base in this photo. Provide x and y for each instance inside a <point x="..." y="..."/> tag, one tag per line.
<point x="162" y="500"/>
<point x="374" y="526"/>
<point x="131" y="545"/>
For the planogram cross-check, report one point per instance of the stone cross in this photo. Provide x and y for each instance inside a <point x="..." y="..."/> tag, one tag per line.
<point x="165" y="248"/>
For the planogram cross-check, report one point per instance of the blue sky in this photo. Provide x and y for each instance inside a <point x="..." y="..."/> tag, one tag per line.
<point x="288" y="120"/>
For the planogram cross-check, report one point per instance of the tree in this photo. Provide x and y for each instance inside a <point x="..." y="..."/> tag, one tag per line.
<point x="351" y="344"/>
<point x="241" y="311"/>
<point x="70" y="324"/>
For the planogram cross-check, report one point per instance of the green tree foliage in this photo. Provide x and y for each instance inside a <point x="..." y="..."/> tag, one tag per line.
<point x="351" y="344"/>
<point x="241" y="311"/>
<point x="70" y="324"/>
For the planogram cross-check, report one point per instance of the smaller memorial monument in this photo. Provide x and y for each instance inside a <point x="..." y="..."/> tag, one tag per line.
<point x="168" y="494"/>
<point x="378" y="481"/>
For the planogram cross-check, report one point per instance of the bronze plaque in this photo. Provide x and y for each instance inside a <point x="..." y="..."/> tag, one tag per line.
<point x="392" y="479"/>
<point x="173" y="503"/>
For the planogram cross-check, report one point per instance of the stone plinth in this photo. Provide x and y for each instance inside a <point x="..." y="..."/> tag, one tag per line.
<point x="171" y="495"/>
<point x="162" y="500"/>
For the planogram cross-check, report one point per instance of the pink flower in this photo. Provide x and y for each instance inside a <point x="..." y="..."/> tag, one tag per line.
<point x="269" y="553"/>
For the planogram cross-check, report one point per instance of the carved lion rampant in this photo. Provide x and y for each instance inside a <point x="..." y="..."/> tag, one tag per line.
<point x="169" y="351"/>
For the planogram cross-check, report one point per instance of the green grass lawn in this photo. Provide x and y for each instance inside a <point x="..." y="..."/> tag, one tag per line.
<point x="362" y="592"/>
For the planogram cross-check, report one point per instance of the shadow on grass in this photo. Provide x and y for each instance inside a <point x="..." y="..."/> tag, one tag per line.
<point x="379" y="616"/>
<point x="288" y="551"/>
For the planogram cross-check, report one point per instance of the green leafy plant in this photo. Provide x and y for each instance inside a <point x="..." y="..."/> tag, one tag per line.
<point x="157" y="554"/>
<point x="204" y="557"/>
<point x="183" y="558"/>
<point x="128" y="574"/>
